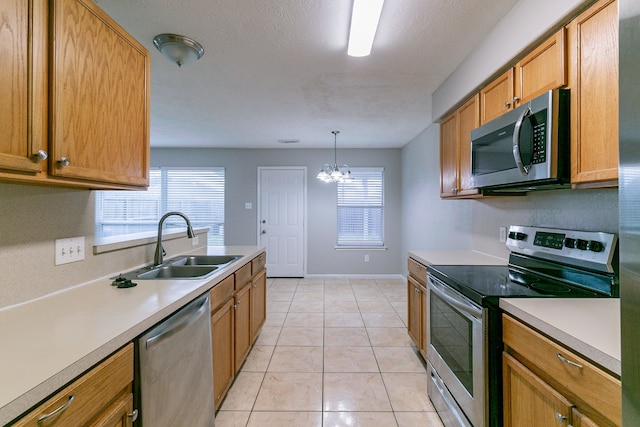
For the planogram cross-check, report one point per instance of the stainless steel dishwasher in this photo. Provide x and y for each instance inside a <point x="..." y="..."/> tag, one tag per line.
<point x="175" y="369"/>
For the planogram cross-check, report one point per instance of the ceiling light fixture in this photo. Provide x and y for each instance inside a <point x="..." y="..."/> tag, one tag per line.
<point x="364" y="23"/>
<point x="335" y="173"/>
<point x="179" y="49"/>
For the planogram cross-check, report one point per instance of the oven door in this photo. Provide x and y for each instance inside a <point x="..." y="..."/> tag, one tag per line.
<point x="455" y="349"/>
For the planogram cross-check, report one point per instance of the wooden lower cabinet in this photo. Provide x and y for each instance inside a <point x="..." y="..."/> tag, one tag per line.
<point x="101" y="397"/>
<point x="242" y="330"/>
<point x="222" y="334"/>
<point x="416" y="296"/>
<point x="258" y="303"/>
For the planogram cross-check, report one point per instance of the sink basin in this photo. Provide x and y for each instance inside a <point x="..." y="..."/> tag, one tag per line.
<point x="201" y="260"/>
<point x="178" y="272"/>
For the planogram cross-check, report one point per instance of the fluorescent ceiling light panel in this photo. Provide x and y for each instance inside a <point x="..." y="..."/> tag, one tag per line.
<point x="364" y="23"/>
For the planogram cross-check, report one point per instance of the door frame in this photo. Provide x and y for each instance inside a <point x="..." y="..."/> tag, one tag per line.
<point x="304" y="207"/>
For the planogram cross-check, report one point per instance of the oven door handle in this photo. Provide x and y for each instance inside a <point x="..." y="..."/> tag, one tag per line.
<point x="441" y="291"/>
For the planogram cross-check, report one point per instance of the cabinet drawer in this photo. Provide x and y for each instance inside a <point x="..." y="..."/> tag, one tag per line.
<point x="92" y="393"/>
<point x="584" y="384"/>
<point x="221" y="292"/>
<point x="418" y="271"/>
<point x="258" y="263"/>
<point x="243" y="275"/>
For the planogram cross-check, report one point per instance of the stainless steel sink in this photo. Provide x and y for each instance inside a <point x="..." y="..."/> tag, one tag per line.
<point x="195" y="260"/>
<point x="177" y="272"/>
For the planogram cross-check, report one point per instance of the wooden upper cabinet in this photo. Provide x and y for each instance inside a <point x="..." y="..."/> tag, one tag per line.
<point x="593" y="79"/>
<point x="543" y="69"/>
<point x="455" y="150"/>
<point x="23" y="96"/>
<point x="497" y="97"/>
<point x="99" y="113"/>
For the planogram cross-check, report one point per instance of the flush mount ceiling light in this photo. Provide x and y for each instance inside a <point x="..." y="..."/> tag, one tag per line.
<point x="179" y="49"/>
<point x="364" y="23"/>
<point x="335" y="173"/>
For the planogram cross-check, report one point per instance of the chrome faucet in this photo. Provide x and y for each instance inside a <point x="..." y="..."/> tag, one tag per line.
<point x="157" y="258"/>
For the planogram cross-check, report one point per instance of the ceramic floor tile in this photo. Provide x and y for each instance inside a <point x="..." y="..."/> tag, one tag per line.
<point x="280" y="295"/>
<point x="355" y="392"/>
<point x="268" y="335"/>
<point x="232" y="418"/>
<point x="407" y="391"/>
<point x="399" y="359"/>
<point x="341" y="306"/>
<point x="382" y="320"/>
<point x="314" y="320"/>
<point x="296" y="359"/>
<point x="336" y="282"/>
<point x="309" y="295"/>
<point x="359" y="419"/>
<point x="311" y="281"/>
<point x="417" y="419"/>
<point x="343" y="320"/>
<point x="346" y="337"/>
<point x="277" y="306"/>
<point x="275" y="319"/>
<point x="307" y="306"/>
<point x="301" y="337"/>
<point x="375" y="307"/>
<point x="389" y="337"/>
<point x="258" y="359"/>
<point x="282" y="419"/>
<point x="290" y="392"/>
<point x="349" y="359"/>
<point x="242" y="394"/>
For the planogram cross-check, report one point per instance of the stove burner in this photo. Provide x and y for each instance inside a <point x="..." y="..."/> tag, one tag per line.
<point x="551" y="288"/>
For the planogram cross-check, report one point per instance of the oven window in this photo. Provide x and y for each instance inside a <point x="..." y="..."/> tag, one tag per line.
<point x="452" y="337"/>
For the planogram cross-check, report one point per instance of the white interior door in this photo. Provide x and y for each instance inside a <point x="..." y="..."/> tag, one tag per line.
<point x="281" y="218"/>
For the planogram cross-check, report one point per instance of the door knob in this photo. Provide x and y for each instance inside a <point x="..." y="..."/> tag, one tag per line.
<point x="40" y="155"/>
<point x="64" y="161"/>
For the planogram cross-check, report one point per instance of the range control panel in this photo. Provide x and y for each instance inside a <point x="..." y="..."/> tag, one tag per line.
<point x="590" y="249"/>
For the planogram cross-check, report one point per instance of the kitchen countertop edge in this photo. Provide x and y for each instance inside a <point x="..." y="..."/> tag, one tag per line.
<point x="452" y="257"/>
<point x="35" y="395"/>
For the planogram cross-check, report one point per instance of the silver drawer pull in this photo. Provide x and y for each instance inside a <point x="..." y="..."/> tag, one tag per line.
<point x="568" y="362"/>
<point x="57" y="411"/>
<point x="133" y="416"/>
<point x="560" y="418"/>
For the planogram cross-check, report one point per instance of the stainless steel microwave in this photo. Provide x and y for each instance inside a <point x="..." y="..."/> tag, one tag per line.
<point x="526" y="148"/>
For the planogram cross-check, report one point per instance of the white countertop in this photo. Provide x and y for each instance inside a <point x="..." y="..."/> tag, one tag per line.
<point x="591" y="327"/>
<point x="49" y="341"/>
<point x="455" y="258"/>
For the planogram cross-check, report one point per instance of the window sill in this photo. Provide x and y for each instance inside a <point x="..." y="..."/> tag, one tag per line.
<point x="360" y="248"/>
<point x="116" y="243"/>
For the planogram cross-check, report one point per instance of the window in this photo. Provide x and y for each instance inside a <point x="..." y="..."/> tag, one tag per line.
<point x="361" y="209"/>
<point x="199" y="193"/>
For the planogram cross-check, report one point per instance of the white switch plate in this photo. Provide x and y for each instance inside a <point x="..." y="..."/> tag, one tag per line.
<point x="366" y="258"/>
<point x="69" y="250"/>
<point x="503" y="234"/>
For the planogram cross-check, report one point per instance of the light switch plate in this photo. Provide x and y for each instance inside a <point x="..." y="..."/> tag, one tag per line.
<point x="69" y="250"/>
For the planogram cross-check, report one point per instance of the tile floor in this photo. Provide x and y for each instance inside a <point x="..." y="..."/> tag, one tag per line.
<point x="333" y="352"/>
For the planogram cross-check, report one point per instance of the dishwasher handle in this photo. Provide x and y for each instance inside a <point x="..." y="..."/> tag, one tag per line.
<point x="181" y="320"/>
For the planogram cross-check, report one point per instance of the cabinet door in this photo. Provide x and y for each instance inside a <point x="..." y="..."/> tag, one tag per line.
<point x="100" y="98"/>
<point x="22" y="84"/>
<point x="529" y="401"/>
<point x="497" y="97"/>
<point x="578" y="419"/>
<point x="543" y="69"/>
<point x="593" y="78"/>
<point x="468" y="120"/>
<point x="120" y="414"/>
<point x="258" y="302"/>
<point x="449" y="156"/>
<point x="222" y="336"/>
<point x="242" y="331"/>
<point x="415" y="321"/>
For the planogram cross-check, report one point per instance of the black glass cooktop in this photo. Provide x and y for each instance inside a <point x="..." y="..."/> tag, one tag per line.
<point x="485" y="284"/>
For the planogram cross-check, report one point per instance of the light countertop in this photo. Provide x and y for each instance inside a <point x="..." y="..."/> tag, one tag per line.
<point x="590" y="327"/>
<point x="455" y="258"/>
<point x="49" y="341"/>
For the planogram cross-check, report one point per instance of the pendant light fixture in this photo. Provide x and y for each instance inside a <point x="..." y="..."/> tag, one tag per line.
<point x="335" y="173"/>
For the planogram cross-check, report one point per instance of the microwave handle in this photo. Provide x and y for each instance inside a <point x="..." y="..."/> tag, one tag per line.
<point x="524" y="170"/>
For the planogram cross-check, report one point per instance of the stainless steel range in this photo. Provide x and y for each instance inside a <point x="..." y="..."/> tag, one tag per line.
<point x="464" y="324"/>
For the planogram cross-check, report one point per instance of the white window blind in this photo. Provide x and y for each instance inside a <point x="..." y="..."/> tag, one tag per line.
<point x="361" y="209"/>
<point x="199" y="193"/>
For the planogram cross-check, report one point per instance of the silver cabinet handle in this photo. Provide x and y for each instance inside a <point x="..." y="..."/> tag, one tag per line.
<point x="516" y="99"/>
<point x="40" y="155"/>
<point x="133" y="416"/>
<point x="568" y="362"/>
<point x="560" y="418"/>
<point x="64" y="161"/>
<point x="524" y="170"/>
<point x="57" y="411"/>
<point x="507" y="104"/>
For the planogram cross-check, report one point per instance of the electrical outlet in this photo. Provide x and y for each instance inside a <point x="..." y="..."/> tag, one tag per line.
<point x="366" y="258"/>
<point x="503" y="234"/>
<point x="69" y="250"/>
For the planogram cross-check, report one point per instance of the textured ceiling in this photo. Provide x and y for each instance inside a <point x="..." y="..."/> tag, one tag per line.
<point x="278" y="69"/>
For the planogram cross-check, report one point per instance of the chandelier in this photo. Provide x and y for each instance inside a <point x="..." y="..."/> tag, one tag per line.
<point x="335" y="173"/>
